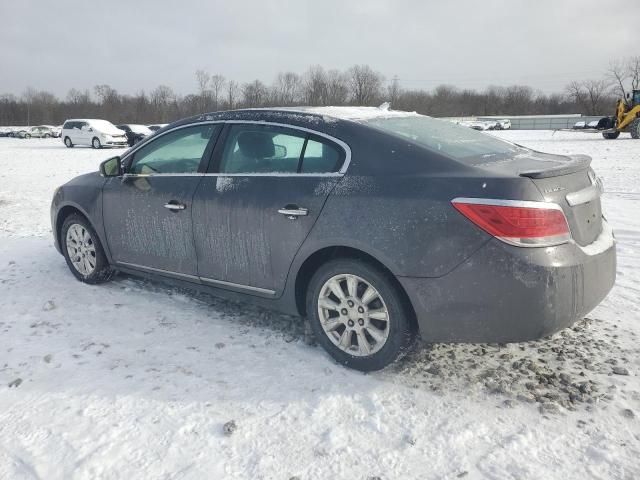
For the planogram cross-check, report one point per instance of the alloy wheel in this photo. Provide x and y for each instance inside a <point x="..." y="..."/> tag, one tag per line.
<point x="353" y="315"/>
<point x="81" y="249"/>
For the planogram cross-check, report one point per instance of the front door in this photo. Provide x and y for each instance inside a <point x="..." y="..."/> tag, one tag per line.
<point x="254" y="211"/>
<point x="147" y="213"/>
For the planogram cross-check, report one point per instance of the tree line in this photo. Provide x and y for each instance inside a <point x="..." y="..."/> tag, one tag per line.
<point x="358" y="85"/>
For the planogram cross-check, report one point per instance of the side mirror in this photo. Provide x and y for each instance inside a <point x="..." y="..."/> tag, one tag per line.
<point x="112" y="167"/>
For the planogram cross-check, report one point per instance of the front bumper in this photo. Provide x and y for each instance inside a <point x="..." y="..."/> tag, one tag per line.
<point x="504" y="293"/>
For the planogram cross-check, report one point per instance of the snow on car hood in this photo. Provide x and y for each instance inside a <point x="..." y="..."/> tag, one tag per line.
<point x="106" y="127"/>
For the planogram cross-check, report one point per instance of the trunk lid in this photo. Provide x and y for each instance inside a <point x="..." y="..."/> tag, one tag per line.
<point x="568" y="181"/>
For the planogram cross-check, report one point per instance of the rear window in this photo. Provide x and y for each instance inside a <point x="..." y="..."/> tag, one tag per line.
<point x="461" y="143"/>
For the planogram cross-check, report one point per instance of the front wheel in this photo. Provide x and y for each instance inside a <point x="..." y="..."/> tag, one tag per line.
<point x="634" y="128"/>
<point x="95" y="143"/>
<point x="611" y="135"/>
<point x="83" y="251"/>
<point x="358" y="314"/>
<point x="68" y="142"/>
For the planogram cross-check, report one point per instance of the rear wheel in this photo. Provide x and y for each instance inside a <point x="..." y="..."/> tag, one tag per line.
<point x="634" y="128"/>
<point x="68" y="142"/>
<point x="83" y="251"/>
<point x="95" y="143"/>
<point x="46" y="135"/>
<point x="611" y="135"/>
<point x="357" y="314"/>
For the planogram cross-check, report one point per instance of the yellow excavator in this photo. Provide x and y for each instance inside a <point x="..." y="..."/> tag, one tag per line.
<point x="626" y="119"/>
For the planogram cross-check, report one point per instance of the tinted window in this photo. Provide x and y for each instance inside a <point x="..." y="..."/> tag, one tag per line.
<point x="177" y="152"/>
<point x="321" y="156"/>
<point x="460" y="143"/>
<point x="262" y="149"/>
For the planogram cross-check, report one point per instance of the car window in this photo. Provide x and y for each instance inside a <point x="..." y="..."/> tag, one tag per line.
<point x="262" y="149"/>
<point x="320" y="156"/>
<point x="179" y="151"/>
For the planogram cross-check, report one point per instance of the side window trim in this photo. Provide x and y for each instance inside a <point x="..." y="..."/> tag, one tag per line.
<point x="211" y="167"/>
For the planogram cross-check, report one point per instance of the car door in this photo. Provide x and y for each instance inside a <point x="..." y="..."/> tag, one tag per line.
<point x="147" y="212"/>
<point x="263" y="195"/>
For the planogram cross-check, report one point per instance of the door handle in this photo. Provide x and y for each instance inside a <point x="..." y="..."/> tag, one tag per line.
<point x="175" y="206"/>
<point x="293" y="211"/>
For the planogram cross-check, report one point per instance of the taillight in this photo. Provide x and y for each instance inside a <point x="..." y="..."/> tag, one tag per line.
<point x="521" y="223"/>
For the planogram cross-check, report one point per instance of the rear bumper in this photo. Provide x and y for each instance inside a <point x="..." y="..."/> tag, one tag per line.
<point x="504" y="293"/>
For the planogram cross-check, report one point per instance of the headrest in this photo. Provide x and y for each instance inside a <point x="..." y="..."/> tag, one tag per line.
<point x="256" y="145"/>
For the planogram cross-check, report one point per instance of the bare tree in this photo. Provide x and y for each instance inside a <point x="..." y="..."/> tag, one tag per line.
<point x="394" y="90"/>
<point x="254" y="94"/>
<point x="589" y="95"/>
<point x="232" y="94"/>
<point x="203" y="79"/>
<point x="366" y="85"/>
<point x="618" y="73"/>
<point x="286" y="88"/>
<point x="315" y="85"/>
<point x="596" y="90"/>
<point x="633" y="68"/>
<point x="217" y="85"/>
<point x="337" y="88"/>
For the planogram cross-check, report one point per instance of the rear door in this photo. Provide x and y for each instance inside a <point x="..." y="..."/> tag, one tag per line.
<point x="147" y="213"/>
<point x="257" y="205"/>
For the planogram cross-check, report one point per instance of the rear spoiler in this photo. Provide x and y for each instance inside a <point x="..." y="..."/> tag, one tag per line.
<point x="575" y="164"/>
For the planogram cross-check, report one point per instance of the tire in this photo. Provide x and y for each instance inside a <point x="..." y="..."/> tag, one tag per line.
<point x="46" y="135"/>
<point x="95" y="143"/>
<point x="68" y="142"/>
<point x="634" y="128"/>
<point x="611" y="135"/>
<point x="78" y="236"/>
<point x="386" y="296"/>
<point x="27" y="136"/>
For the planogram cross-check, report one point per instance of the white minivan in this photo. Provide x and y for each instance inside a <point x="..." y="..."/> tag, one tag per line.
<point x="96" y="133"/>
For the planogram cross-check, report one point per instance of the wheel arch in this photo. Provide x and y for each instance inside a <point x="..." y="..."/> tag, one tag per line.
<point x="316" y="259"/>
<point x="61" y="215"/>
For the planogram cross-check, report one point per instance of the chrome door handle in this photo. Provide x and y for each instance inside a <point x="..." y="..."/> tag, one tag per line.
<point x="175" y="206"/>
<point x="293" y="212"/>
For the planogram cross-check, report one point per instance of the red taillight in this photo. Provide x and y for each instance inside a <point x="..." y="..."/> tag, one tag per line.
<point x="522" y="223"/>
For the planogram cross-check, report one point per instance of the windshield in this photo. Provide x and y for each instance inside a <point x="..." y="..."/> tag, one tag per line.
<point x="140" y="129"/>
<point x="105" y="126"/>
<point x="461" y="143"/>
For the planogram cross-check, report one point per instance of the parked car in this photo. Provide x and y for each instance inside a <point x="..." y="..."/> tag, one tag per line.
<point x="135" y="133"/>
<point x="55" y="131"/>
<point x="34" y="132"/>
<point x="580" y="125"/>
<point x="96" y="133"/>
<point x="156" y="127"/>
<point x="503" y="124"/>
<point x="375" y="224"/>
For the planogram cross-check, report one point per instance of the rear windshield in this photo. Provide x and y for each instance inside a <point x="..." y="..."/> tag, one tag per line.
<point x="461" y="143"/>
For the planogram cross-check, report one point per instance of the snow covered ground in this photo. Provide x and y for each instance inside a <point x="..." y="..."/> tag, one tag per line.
<point x="134" y="379"/>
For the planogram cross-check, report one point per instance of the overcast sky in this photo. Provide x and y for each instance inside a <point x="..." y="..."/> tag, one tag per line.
<point x="471" y="44"/>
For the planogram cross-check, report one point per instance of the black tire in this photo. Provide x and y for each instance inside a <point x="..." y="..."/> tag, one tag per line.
<point x="634" y="128"/>
<point x="400" y="334"/>
<point x="27" y="135"/>
<point x="46" y="135"/>
<point x="68" y="143"/>
<point x="102" y="271"/>
<point x="95" y="143"/>
<point x="611" y="135"/>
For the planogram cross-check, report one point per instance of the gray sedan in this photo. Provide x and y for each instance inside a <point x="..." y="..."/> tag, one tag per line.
<point x="375" y="224"/>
